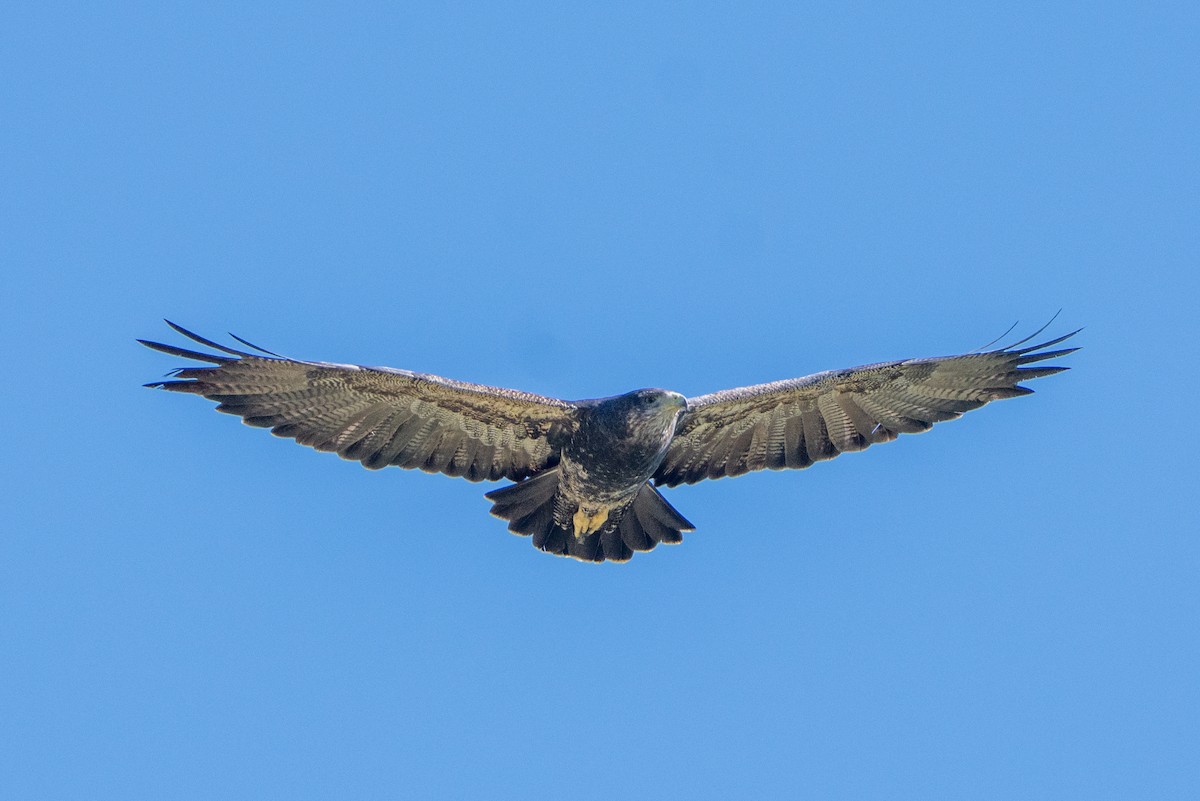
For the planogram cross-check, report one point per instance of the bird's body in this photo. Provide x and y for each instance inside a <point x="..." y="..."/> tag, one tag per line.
<point x="587" y="472"/>
<point x="602" y="502"/>
<point x="598" y="480"/>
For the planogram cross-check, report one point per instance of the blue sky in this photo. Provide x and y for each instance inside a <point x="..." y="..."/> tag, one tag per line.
<point x="580" y="201"/>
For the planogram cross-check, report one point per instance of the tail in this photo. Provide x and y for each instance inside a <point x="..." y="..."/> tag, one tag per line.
<point x="529" y="507"/>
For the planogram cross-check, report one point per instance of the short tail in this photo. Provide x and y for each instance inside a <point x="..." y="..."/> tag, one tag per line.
<point x="528" y="506"/>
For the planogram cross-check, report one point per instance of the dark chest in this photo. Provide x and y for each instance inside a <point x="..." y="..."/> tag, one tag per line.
<point x="612" y="450"/>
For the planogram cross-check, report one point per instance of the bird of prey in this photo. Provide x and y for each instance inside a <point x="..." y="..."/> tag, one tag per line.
<point x="587" y="472"/>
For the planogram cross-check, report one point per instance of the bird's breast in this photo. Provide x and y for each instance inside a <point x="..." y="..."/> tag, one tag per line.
<point x="602" y="463"/>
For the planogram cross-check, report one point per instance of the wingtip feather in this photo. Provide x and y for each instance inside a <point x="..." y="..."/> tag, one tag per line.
<point x="255" y="347"/>
<point x="203" y="341"/>
<point x="184" y="353"/>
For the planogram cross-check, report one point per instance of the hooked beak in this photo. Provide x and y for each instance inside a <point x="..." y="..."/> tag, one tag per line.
<point x="677" y="400"/>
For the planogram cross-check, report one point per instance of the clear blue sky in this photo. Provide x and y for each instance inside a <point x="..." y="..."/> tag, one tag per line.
<point x="578" y="202"/>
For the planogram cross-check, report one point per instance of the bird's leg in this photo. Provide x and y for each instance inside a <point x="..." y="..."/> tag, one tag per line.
<point x="589" y="520"/>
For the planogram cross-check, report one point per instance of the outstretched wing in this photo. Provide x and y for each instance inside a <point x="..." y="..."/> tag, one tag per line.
<point x="795" y="423"/>
<point x="377" y="415"/>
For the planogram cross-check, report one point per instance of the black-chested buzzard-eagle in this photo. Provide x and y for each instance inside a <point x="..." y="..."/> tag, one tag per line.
<point x="587" y="471"/>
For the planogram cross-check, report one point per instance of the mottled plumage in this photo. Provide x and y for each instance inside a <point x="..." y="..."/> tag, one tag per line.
<point x="586" y="471"/>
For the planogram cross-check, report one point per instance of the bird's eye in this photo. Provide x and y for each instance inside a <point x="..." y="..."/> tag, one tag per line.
<point x="647" y="399"/>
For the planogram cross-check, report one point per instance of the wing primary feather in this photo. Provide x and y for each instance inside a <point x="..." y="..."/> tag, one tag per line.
<point x="256" y="347"/>
<point x="185" y="353"/>
<point x="1014" y="345"/>
<point x="1041" y="345"/>
<point x="1030" y="373"/>
<point x="1040" y="357"/>
<point x="197" y="338"/>
<point x="1003" y="393"/>
<point x="177" y="386"/>
<point x="983" y="348"/>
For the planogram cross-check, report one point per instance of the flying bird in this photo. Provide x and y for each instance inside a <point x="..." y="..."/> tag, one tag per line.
<point x="587" y="472"/>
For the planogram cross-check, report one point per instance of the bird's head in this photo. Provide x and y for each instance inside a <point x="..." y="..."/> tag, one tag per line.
<point x="655" y="402"/>
<point x="641" y="410"/>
